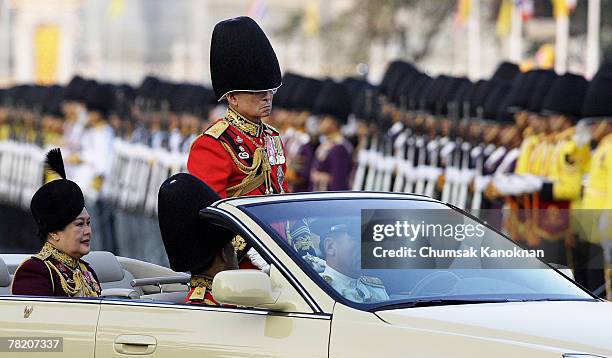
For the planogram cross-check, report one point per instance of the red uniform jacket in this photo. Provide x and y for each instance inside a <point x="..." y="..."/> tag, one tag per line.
<point x="225" y="155"/>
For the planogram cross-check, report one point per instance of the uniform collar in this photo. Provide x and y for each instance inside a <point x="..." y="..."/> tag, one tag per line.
<point x="237" y="120"/>
<point x="347" y="280"/>
<point x="201" y="281"/>
<point x="48" y="250"/>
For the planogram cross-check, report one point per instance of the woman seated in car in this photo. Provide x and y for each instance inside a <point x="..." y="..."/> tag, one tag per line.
<point x="58" y="208"/>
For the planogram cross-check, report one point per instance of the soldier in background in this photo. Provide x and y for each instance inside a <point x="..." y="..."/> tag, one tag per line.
<point x="333" y="161"/>
<point x="301" y="143"/>
<point x="593" y="251"/>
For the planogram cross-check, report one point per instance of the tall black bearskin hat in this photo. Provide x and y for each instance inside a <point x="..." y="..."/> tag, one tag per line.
<point x="334" y="100"/>
<point x="242" y="58"/>
<point x="566" y="96"/>
<point x="597" y="102"/>
<point x="540" y="90"/>
<point x="191" y="243"/>
<point x="506" y="71"/>
<point x="304" y="96"/>
<point x="99" y="98"/>
<point x="58" y="202"/>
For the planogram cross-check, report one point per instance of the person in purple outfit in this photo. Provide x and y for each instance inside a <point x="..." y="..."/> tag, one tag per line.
<point x="332" y="163"/>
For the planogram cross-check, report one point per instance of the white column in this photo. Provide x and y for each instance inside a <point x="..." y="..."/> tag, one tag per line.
<point x="561" y="44"/>
<point x="516" y="36"/>
<point x="592" y="51"/>
<point x="474" y="41"/>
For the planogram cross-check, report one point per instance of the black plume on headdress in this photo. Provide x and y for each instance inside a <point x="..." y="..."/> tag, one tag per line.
<point x="55" y="162"/>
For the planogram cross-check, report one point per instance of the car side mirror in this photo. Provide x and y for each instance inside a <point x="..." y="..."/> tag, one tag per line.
<point x="250" y="288"/>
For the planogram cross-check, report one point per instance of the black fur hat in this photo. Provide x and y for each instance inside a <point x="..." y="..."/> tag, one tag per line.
<point x="566" y="96"/>
<point x="597" y="103"/>
<point x="540" y="90"/>
<point x="58" y="202"/>
<point x="334" y="100"/>
<point x="191" y="243"/>
<point x="506" y="71"/>
<point x="242" y="58"/>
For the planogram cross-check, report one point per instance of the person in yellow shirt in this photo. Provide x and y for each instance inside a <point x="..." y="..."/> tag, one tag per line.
<point x="561" y="168"/>
<point x="593" y="222"/>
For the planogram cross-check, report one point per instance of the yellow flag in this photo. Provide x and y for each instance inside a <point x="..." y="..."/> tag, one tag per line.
<point x="504" y="18"/>
<point x="463" y="11"/>
<point x="116" y="8"/>
<point x="560" y="8"/>
<point x="46" y="53"/>
<point x="312" y="18"/>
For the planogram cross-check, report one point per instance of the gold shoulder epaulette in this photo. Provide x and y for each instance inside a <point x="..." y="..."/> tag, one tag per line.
<point x="217" y="129"/>
<point x="372" y="281"/>
<point x="272" y="128"/>
<point x="197" y="294"/>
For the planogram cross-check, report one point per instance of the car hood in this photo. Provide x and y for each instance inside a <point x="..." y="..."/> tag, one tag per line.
<point x="569" y="325"/>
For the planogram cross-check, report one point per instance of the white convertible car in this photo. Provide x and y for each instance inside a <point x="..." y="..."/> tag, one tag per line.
<point x="308" y="307"/>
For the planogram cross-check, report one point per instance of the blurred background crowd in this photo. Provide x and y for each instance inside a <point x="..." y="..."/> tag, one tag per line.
<point x="500" y="107"/>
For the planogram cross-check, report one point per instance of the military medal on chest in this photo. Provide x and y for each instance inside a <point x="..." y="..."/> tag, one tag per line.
<point x="278" y="147"/>
<point x="270" y="150"/>
<point x="243" y="154"/>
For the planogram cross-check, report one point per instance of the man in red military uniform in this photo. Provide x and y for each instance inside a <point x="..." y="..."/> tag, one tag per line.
<point x="239" y="154"/>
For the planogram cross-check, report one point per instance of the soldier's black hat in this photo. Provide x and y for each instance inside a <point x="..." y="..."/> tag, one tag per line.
<point x="75" y="90"/>
<point x="566" y="96"/>
<point x="478" y="96"/>
<point x="392" y="72"/>
<point x="365" y="106"/>
<point x="448" y="94"/>
<point x="462" y="97"/>
<point x="282" y="98"/>
<point x="53" y="101"/>
<point x="191" y="243"/>
<point x="605" y="68"/>
<point x="413" y="89"/>
<point x="540" y="90"/>
<point x="242" y="58"/>
<point x="334" y="100"/>
<point x="305" y="94"/>
<point x="597" y="103"/>
<point x="99" y="98"/>
<point x="498" y="91"/>
<point x="506" y="71"/>
<point x="407" y="73"/>
<point x="58" y="202"/>
<point x="432" y="96"/>
<point x="522" y="89"/>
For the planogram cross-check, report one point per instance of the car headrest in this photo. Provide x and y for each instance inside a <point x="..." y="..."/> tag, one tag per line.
<point x="105" y="265"/>
<point x="5" y="278"/>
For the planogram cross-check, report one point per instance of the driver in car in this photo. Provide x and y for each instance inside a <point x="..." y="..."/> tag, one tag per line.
<point x="343" y="270"/>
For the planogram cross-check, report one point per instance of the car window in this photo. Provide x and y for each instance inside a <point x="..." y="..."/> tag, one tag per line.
<point x="333" y="240"/>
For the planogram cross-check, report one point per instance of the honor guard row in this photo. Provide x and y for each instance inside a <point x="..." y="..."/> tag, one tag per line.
<point x="516" y="149"/>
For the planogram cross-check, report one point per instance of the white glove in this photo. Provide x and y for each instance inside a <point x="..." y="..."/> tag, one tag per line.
<point x="258" y="261"/>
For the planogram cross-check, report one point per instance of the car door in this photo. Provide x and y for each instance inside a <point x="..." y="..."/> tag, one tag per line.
<point x="159" y="329"/>
<point x="29" y="319"/>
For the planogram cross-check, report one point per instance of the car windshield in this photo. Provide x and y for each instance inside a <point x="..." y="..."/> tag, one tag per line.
<point x="378" y="253"/>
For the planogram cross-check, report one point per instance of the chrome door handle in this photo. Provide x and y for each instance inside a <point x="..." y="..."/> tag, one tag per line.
<point x="135" y="344"/>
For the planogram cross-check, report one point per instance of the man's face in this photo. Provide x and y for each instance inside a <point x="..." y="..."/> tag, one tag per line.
<point x="252" y="105"/>
<point x="342" y="253"/>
